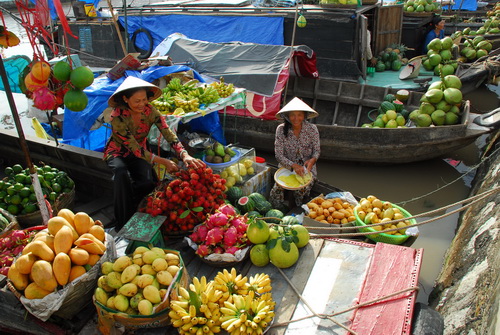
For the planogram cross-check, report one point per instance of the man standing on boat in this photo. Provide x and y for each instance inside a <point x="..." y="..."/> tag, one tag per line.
<point x="126" y="152"/>
<point x="296" y="147"/>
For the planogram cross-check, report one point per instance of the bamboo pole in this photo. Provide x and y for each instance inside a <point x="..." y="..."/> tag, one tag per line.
<point x="291" y="48"/>
<point x="24" y="146"/>
<point x="115" y="22"/>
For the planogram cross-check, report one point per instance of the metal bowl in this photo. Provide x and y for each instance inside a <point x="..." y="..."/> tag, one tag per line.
<point x="201" y="143"/>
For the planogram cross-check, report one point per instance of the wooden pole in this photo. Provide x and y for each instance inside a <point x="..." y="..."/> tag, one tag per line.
<point x="24" y="146"/>
<point x="115" y="22"/>
<point x="291" y="49"/>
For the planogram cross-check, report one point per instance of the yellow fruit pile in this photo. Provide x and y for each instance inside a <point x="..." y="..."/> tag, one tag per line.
<point x="68" y="248"/>
<point x="333" y="210"/>
<point x="137" y="284"/>
<point x="231" y="302"/>
<point x="373" y="210"/>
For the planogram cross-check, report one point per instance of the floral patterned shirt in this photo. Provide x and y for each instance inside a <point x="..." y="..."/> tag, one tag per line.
<point x="130" y="138"/>
<point x="297" y="150"/>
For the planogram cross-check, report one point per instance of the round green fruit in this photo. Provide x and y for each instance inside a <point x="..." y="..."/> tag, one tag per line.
<point x="258" y="231"/>
<point x="302" y="235"/>
<point x="259" y="255"/>
<point x="81" y="77"/>
<point x="76" y="100"/>
<point x="62" y="71"/>
<point x="284" y="254"/>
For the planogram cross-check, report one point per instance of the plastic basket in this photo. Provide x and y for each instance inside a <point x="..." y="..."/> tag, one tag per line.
<point x="233" y="160"/>
<point x="383" y="237"/>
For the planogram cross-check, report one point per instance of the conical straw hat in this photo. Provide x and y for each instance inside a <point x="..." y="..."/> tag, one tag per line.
<point x="134" y="82"/>
<point x="296" y="105"/>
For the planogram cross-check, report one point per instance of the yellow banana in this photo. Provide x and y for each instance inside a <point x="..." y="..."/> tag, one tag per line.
<point x="186" y="327"/>
<point x="192" y="311"/>
<point x="177" y="323"/>
<point x="184" y="293"/>
<point x="194" y="321"/>
<point x="186" y="319"/>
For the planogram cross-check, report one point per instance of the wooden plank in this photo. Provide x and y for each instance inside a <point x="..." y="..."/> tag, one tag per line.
<point x="392" y="268"/>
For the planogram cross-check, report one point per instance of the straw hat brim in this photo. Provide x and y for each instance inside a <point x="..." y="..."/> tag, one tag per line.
<point x="296" y="105"/>
<point x="134" y="82"/>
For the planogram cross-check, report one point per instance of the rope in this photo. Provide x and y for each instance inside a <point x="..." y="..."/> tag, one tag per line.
<point x="473" y="200"/>
<point x="330" y="316"/>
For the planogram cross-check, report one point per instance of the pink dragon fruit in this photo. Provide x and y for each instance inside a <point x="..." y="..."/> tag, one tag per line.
<point x="216" y="220"/>
<point x="239" y="223"/>
<point x="230" y="236"/>
<point x="44" y="99"/>
<point x="203" y="250"/>
<point x="218" y="250"/>
<point x="17" y="250"/>
<point x="214" y="236"/>
<point x="4" y="271"/>
<point x="232" y="250"/>
<point x="18" y="235"/>
<point x="227" y="210"/>
<point x="195" y="237"/>
<point x="202" y="232"/>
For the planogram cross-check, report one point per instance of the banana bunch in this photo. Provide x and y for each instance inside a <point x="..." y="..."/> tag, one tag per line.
<point x="206" y="95"/>
<point x="186" y="102"/>
<point x="164" y="103"/>
<point x="174" y="86"/>
<point x="230" y="283"/>
<point x="196" y="311"/>
<point x="260" y="283"/>
<point x="222" y="88"/>
<point x="246" y="315"/>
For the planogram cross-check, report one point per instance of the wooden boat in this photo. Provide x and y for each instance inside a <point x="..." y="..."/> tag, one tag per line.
<point x="343" y="107"/>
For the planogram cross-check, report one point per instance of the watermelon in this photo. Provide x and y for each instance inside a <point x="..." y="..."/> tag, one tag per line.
<point x="274" y="213"/>
<point x="245" y="204"/>
<point x="396" y="65"/>
<point x="386" y="106"/>
<point x="398" y="106"/>
<point x="254" y="214"/>
<point x="393" y="56"/>
<point x="234" y="193"/>
<point x="257" y="197"/>
<point x="380" y="67"/>
<point x="390" y="97"/>
<point x="290" y="220"/>
<point x="263" y="206"/>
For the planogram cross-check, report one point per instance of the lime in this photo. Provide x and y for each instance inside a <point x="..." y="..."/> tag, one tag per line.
<point x="70" y="184"/>
<point x="54" y="170"/>
<point x="9" y="171"/>
<point x="13" y="209"/>
<point x="20" y="178"/>
<point x="52" y="196"/>
<point x="39" y="171"/>
<point x="25" y="192"/>
<point x="25" y="201"/>
<point x="56" y="187"/>
<point x="47" y="168"/>
<point x="3" y="205"/>
<point x="41" y="179"/>
<point x="7" y="199"/>
<point x="18" y="186"/>
<point x="15" y="199"/>
<point x="2" y="185"/>
<point x="11" y="190"/>
<point x="17" y="168"/>
<point x="32" y="197"/>
<point x="3" y="194"/>
<point x="67" y="190"/>
<point x="48" y="175"/>
<point x="30" y="208"/>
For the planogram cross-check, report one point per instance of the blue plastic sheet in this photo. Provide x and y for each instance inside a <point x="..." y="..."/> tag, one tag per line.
<point x="77" y="125"/>
<point x="14" y="66"/>
<point x="263" y="30"/>
<point x="464" y="5"/>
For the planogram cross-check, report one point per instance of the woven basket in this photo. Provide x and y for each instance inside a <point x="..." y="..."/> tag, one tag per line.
<point x="418" y="14"/>
<point x="383" y="237"/>
<point x="64" y="200"/>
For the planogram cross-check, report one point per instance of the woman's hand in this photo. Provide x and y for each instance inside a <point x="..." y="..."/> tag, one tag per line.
<point x="298" y="169"/>
<point x="192" y="162"/>
<point x="309" y="164"/>
<point x="169" y="165"/>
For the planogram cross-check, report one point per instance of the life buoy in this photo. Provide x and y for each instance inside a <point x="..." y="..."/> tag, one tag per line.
<point x="143" y="53"/>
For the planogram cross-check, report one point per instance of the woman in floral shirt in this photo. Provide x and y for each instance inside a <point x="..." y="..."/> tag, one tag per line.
<point x="126" y="152"/>
<point x="296" y="147"/>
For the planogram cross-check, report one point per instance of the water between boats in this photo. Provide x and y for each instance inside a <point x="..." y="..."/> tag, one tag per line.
<point x="411" y="184"/>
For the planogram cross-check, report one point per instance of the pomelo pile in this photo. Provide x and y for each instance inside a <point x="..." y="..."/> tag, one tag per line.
<point x="51" y="87"/>
<point x="441" y="104"/>
<point x="440" y="56"/>
<point x="392" y="58"/>
<point x="391" y="112"/>
<point x="421" y="6"/>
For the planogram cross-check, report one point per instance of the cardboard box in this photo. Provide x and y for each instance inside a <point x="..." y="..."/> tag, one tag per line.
<point x="261" y="182"/>
<point x="129" y="62"/>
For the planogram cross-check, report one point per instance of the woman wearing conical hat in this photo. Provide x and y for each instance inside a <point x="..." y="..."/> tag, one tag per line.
<point x="296" y="147"/>
<point x="126" y="152"/>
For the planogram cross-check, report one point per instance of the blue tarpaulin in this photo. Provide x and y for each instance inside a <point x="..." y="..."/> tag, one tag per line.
<point x="77" y="125"/>
<point x="14" y="66"/>
<point x="464" y="5"/>
<point x="263" y="30"/>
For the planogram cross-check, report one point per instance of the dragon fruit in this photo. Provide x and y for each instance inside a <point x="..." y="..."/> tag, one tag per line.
<point x="195" y="237"/>
<point x="217" y="220"/>
<point x="232" y="250"/>
<point x="203" y="250"/>
<point x="214" y="236"/>
<point x="202" y="231"/>
<point x="227" y="210"/>
<point x="218" y="250"/>
<point x="4" y="271"/>
<point x="18" y="235"/>
<point x="44" y="99"/>
<point x="239" y="223"/>
<point x="231" y="236"/>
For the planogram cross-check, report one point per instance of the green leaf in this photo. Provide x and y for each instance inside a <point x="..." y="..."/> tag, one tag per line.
<point x="197" y="209"/>
<point x="295" y="239"/>
<point x="285" y="245"/>
<point x="184" y="214"/>
<point x="271" y="244"/>
<point x="194" y="300"/>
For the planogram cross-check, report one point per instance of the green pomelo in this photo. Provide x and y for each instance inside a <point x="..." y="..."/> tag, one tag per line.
<point x="410" y="9"/>
<point x="379" y="123"/>
<point x="302" y="235"/>
<point x="81" y="77"/>
<point x="400" y="120"/>
<point x="62" y="71"/>
<point x="258" y="231"/>
<point x="385" y="118"/>
<point x="434" y="96"/>
<point x="366" y="125"/>
<point x="75" y="100"/>
<point x="420" y="8"/>
<point x="391" y="115"/>
<point x="391" y="124"/>
<point x="452" y="95"/>
<point x="259" y="255"/>
<point x="451" y="118"/>
<point x="423" y="120"/>
<point x="284" y="254"/>
<point x="447" y="42"/>
<point x="452" y="81"/>
<point x="438" y="117"/>
<point x="428" y="8"/>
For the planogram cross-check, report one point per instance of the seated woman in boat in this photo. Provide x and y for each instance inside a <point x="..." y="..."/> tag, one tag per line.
<point x="296" y="147"/>
<point x="434" y="29"/>
<point x="126" y="151"/>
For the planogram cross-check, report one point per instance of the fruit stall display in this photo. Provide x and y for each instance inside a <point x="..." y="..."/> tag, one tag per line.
<point x="17" y="194"/>
<point x="179" y="98"/>
<point x="491" y="25"/>
<point x="335" y="210"/>
<point x="440" y="56"/>
<point x="391" y="58"/>
<point x="392" y="112"/>
<point x="421" y="6"/>
<point x="441" y="104"/>
<point x="187" y="200"/>
<point x="13" y="243"/>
